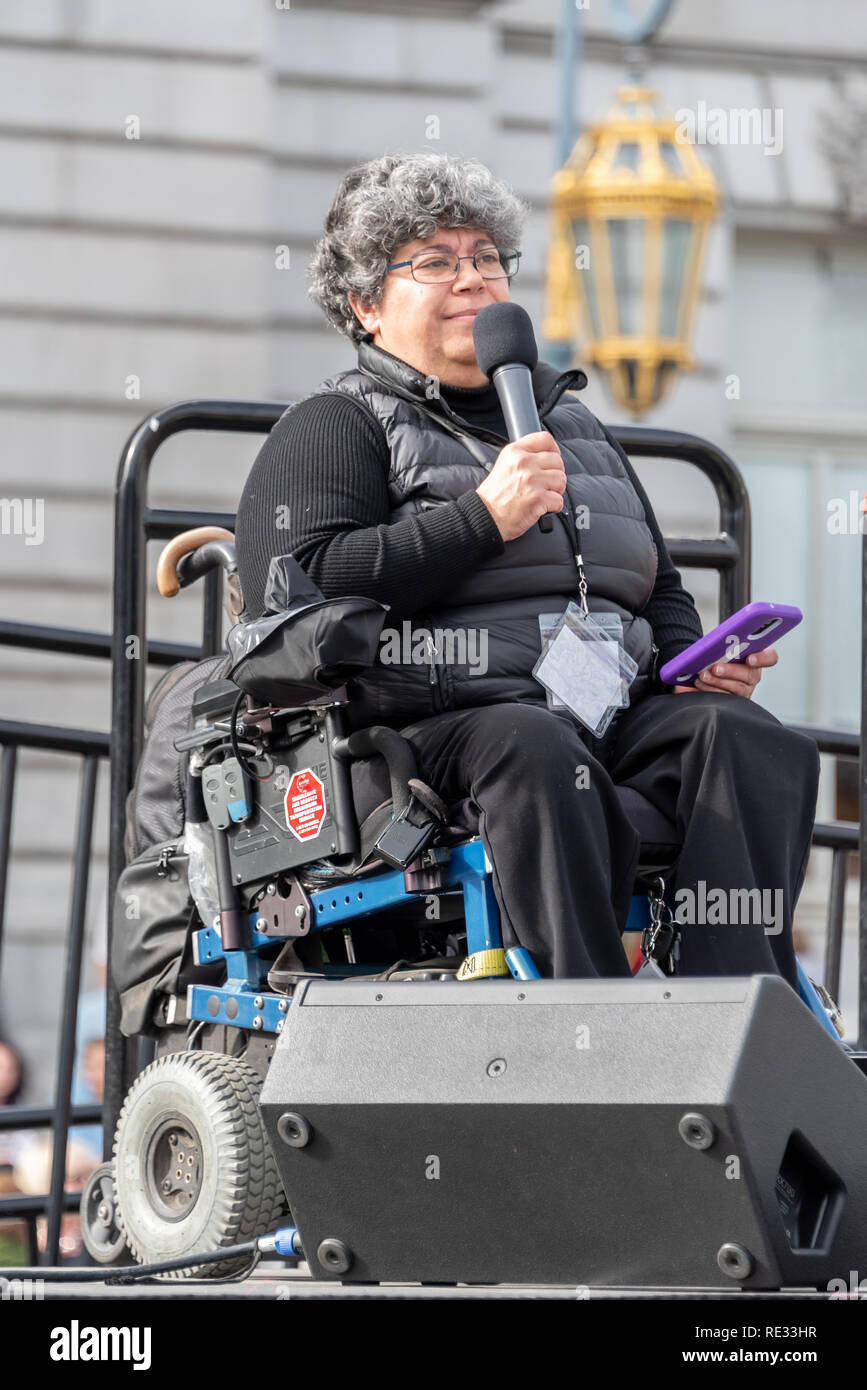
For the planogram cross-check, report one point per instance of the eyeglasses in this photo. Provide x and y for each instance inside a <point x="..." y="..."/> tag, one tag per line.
<point x="436" y="268"/>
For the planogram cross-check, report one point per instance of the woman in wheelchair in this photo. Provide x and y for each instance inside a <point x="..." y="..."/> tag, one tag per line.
<point x="394" y="480"/>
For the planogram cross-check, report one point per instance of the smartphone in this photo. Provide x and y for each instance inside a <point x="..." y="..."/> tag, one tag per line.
<point x="751" y="629"/>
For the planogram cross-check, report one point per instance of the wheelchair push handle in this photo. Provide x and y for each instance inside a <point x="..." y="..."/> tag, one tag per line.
<point x="191" y="555"/>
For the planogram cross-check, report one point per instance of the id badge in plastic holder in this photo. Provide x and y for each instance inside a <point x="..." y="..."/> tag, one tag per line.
<point x="611" y="624"/>
<point x="584" y="669"/>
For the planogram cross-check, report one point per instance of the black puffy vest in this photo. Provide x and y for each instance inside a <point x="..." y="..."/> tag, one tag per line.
<point x="479" y="645"/>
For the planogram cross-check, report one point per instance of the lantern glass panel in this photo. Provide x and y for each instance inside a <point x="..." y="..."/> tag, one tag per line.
<point x="626" y="240"/>
<point x="675" y="244"/>
<point x="628" y="156"/>
<point x="585" y="272"/>
<point x="670" y="158"/>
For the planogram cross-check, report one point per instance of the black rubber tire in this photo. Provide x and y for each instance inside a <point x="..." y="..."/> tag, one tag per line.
<point x="103" y="1239"/>
<point x="239" y="1193"/>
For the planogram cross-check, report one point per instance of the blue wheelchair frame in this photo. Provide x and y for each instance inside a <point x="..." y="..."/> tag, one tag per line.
<point x="245" y="1002"/>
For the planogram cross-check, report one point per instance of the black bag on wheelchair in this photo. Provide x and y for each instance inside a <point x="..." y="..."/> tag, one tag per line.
<point x="306" y="646"/>
<point x="153" y="908"/>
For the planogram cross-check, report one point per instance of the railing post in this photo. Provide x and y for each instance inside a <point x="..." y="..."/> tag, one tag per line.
<point x="69" y="1015"/>
<point x="7" y="796"/>
<point x="128" y="667"/>
<point x="836" y="912"/>
<point x="131" y="533"/>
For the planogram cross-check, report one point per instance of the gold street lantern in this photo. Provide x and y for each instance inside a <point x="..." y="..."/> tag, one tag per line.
<point x="630" y="213"/>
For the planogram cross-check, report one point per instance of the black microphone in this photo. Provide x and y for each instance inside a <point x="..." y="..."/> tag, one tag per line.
<point x="506" y="352"/>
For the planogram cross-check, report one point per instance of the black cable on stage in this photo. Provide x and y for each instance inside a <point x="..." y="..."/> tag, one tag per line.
<point x="127" y="1274"/>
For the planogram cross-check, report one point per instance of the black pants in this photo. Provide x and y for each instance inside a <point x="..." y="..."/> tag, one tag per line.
<point x="740" y="788"/>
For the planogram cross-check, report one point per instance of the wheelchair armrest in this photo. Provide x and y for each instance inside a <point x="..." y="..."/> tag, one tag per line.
<point x="413" y="823"/>
<point x="393" y="748"/>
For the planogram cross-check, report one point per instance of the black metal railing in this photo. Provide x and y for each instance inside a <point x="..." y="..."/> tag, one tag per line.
<point x="730" y="552"/>
<point x="89" y="747"/>
<point x="135" y="524"/>
<point x="842" y="838"/>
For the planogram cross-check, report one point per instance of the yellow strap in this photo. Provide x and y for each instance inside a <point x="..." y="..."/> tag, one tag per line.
<point x="484" y="964"/>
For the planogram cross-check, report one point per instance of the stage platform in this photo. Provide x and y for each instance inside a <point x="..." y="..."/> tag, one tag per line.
<point x="272" y="1281"/>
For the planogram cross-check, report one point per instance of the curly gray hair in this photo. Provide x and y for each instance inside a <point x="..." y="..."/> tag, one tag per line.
<point x="390" y="201"/>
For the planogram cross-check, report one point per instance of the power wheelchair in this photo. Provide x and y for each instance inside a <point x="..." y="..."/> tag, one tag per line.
<point x="316" y="854"/>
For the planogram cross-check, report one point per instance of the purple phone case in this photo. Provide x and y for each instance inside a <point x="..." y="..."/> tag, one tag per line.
<point x="683" y="669"/>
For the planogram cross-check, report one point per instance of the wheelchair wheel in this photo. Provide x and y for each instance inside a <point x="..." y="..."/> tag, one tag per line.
<point x="103" y="1239"/>
<point x="193" y="1167"/>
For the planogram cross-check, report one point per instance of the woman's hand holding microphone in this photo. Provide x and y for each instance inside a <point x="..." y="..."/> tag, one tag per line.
<point x="527" y="480"/>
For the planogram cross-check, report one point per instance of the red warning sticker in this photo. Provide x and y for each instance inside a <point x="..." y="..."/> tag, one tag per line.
<point x="305" y="805"/>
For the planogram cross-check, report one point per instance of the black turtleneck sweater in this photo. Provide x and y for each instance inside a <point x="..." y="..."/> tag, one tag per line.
<point x="318" y="490"/>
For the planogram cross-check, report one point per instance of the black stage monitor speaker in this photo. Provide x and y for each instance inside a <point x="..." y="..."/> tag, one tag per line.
<point x="700" y="1132"/>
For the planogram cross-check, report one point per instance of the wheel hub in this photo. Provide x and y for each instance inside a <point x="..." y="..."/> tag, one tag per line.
<point x="100" y="1206"/>
<point x="173" y="1167"/>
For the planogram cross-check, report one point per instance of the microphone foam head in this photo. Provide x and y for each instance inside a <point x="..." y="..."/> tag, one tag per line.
<point x="504" y="333"/>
